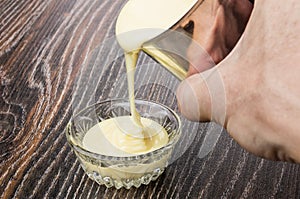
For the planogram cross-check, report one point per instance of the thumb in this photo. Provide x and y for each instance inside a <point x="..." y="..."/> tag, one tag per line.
<point x="201" y="97"/>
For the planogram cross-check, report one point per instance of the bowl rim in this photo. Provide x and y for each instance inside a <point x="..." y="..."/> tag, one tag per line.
<point x="142" y="156"/>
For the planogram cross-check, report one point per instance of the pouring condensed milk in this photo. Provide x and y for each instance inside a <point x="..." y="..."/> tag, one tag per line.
<point x="118" y="151"/>
<point x="139" y="21"/>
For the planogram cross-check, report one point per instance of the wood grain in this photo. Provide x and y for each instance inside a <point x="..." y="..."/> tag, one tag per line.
<point x="55" y="58"/>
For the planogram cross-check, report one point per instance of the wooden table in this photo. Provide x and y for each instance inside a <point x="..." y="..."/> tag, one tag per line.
<point x="59" y="55"/>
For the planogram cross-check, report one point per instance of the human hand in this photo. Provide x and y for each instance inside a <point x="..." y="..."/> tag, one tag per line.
<point x="260" y="80"/>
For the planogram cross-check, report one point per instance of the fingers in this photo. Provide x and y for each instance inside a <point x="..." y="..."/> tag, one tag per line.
<point x="194" y="99"/>
<point x="201" y="97"/>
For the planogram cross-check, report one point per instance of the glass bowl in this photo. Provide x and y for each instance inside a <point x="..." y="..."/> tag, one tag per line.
<point x="128" y="171"/>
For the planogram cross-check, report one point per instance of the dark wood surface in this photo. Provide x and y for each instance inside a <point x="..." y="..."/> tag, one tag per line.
<point x="57" y="56"/>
